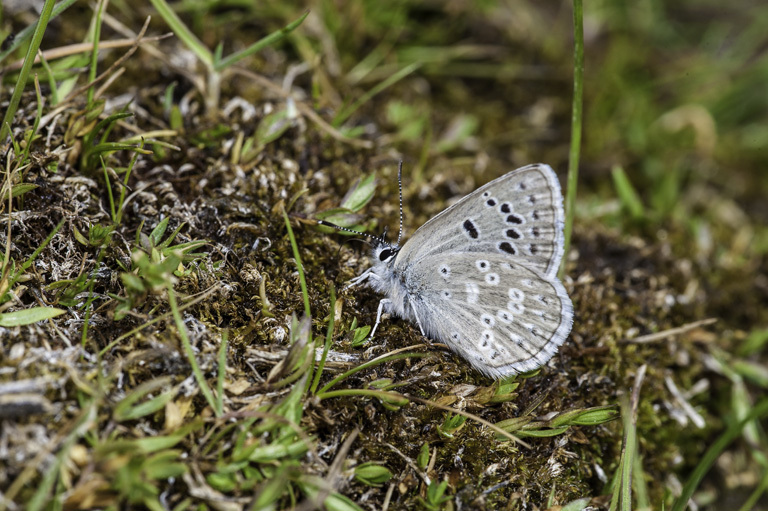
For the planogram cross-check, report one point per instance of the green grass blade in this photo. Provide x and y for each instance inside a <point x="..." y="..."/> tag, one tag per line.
<point x="328" y="339"/>
<point x="368" y="364"/>
<point x="576" y="120"/>
<point x="187" y="345"/>
<point x="759" y="411"/>
<point x="259" y="45"/>
<point x="29" y="316"/>
<point x="222" y="371"/>
<point x="24" y="34"/>
<point x="302" y="280"/>
<point x="182" y="32"/>
<point x="627" y="194"/>
<point x="95" y="37"/>
<point x="26" y="67"/>
<point x="345" y="113"/>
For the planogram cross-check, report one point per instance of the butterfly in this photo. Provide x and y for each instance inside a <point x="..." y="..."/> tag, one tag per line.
<point x="480" y="276"/>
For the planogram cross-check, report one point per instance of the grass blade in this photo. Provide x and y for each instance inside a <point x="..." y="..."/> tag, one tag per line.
<point x="29" y="59"/>
<point x="578" y="93"/>
<point x="759" y="411"/>
<point x="302" y="280"/>
<point x="260" y="44"/>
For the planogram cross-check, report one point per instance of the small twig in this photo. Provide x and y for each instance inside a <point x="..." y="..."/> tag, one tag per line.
<point x="115" y="65"/>
<point x="639" y="377"/>
<point x="74" y="49"/>
<point x="410" y="463"/>
<point x="688" y="410"/>
<point x="660" y="336"/>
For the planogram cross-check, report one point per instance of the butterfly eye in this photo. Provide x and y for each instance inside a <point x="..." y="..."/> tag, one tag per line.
<point x="386" y="254"/>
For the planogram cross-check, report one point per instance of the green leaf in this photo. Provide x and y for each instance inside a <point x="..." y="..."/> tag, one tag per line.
<point x="360" y="193"/>
<point x="372" y="474"/>
<point x="29" y="316"/>
<point x="338" y="502"/>
<point x="343" y="218"/>
<point x="163" y="465"/>
<point x="272" y="127"/>
<point x="157" y="443"/>
<point x="542" y="433"/>
<point x="423" y="459"/>
<point x="586" y="416"/>
<point x="755" y="342"/>
<point x="125" y="409"/>
<point x="222" y="482"/>
<point x="19" y="189"/>
<point x="79" y="237"/>
<point x="461" y="128"/>
<point x="132" y="282"/>
<point x="576" y="505"/>
<point x="451" y="425"/>
<point x="157" y="233"/>
<point x="629" y="198"/>
<point x="360" y="335"/>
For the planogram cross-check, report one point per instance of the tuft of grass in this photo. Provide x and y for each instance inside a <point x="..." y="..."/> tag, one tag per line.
<point x="215" y="64"/>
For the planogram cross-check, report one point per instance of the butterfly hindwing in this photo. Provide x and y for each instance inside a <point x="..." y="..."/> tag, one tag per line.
<point x="519" y="216"/>
<point x="502" y="316"/>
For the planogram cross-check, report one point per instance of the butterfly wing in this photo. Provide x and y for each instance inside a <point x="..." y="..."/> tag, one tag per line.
<point x="503" y="317"/>
<point x="519" y="216"/>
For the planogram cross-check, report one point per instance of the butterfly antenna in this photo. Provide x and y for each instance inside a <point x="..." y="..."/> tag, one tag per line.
<point x="340" y="228"/>
<point x="400" y="190"/>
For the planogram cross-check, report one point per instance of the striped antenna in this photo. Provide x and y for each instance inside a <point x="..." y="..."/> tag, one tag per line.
<point x="380" y="239"/>
<point x="400" y="192"/>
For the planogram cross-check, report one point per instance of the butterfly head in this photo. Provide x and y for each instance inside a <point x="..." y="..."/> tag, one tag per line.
<point x="383" y="251"/>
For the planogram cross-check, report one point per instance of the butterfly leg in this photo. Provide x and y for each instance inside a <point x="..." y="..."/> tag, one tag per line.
<point x="360" y="279"/>
<point x="418" y="321"/>
<point x="385" y="302"/>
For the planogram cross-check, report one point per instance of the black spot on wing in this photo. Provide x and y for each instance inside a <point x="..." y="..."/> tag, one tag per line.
<point x="507" y="247"/>
<point x="470" y="229"/>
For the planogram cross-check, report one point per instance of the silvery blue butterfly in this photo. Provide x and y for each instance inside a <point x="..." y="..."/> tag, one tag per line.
<point x="480" y="276"/>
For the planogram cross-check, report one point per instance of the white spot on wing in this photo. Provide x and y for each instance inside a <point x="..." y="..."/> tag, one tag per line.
<point x="492" y="279"/>
<point x="482" y="265"/>
<point x="504" y="316"/>
<point x="473" y="292"/>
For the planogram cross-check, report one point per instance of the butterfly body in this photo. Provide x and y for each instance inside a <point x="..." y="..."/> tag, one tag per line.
<point x="481" y="275"/>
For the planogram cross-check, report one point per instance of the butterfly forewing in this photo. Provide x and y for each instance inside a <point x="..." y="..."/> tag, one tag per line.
<point x="502" y="316"/>
<point x="519" y="216"/>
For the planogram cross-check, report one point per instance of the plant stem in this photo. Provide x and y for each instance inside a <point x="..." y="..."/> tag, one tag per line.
<point x="578" y="93"/>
